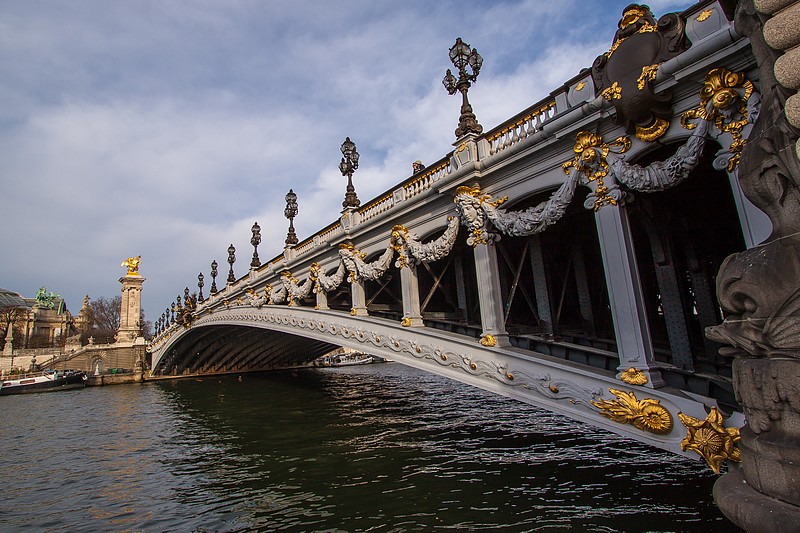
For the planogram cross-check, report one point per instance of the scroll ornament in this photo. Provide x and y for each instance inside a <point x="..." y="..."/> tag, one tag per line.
<point x="410" y="251"/>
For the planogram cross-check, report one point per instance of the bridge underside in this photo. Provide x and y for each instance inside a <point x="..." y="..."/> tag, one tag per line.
<point x="232" y="348"/>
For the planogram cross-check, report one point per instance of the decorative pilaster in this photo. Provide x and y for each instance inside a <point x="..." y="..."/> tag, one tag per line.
<point x="359" y="298"/>
<point x="490" y="296"/>
<point x="409" y="282"/>
<point x="628" y="310"/>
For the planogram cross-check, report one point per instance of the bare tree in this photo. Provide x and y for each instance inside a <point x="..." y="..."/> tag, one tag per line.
<point x="8" y="318"/>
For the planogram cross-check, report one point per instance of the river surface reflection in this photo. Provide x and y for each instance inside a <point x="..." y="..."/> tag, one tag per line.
<point x="369" y="448"/>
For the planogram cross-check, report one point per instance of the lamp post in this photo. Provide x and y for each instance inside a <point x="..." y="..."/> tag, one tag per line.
<point x="213" y="277"/>
<point x="348" y="165"/>
<point x="290" y="212"/>
<point x="255" y="240"/>
<point x="231" y="261"/>
<point x="200" y="285"/>
<point x="462" y="56"/>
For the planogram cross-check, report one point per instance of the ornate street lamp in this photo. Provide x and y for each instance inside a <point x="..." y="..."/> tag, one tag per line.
<point x="255" y="240"/>
<point x="290" y="212"/>
<point x="231" y="261"/>
<point x="200" y="286"/>
<point x="462" y="56"/>
<point x="214" y="277"/>
<point x="348" y="165"/>
<point x="172" y="310"/>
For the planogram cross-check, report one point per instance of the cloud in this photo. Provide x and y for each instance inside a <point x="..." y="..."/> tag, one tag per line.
<point x="167" y="129"/>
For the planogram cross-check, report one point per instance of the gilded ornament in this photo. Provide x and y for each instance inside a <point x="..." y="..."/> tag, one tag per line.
<point x="630" y="16"/>
<point x="406" y="322"/>
<point x="353" y="312"/>
<point x="649" y="73"/>
<point x="509" y="376"/>
<point x="590" y="160"/>
<point x="633" y="376"/>
<point x="443" y="357"/>
<point x="704" y="15"/>
<point x="652" y="132"/>
<point x="553" y="389"/>
<point x="133" y="265"/>
<point x="488" y="340"/>
<point x="612" y="93"/>
<point x="580" y="86"/>
<point x="721" y="92"/>
<point x="647" y="415"/>
<point x="710" y="439"/>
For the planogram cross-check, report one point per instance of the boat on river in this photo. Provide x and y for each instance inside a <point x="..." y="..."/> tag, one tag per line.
<point x="47" y="381"/>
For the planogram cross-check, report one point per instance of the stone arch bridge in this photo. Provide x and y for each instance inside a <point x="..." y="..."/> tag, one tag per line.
<point x="566" y="257"/>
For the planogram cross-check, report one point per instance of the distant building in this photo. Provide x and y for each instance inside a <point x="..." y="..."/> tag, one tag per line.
<point x="38" y="322"/>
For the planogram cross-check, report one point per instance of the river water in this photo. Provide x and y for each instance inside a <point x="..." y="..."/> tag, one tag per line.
<point x="370" y="448"/>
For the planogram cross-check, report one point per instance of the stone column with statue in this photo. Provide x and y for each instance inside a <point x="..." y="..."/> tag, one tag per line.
<point x="759" y="289"/>
<point x="131" y="306"/>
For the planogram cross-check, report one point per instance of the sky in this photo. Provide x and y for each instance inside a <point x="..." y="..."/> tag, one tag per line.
<point x="166" y="129"/>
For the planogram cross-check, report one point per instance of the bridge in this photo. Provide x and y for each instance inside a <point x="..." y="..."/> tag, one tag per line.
<point x="566" y="258"/>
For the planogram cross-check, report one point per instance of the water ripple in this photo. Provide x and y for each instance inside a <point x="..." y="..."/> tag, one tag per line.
<point x="376" y="448"/>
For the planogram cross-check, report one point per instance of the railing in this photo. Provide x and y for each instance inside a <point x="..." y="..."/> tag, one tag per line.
<point x="424" y="182"/>
<point x="377" y="207"/>
<point x="523" y="125"/>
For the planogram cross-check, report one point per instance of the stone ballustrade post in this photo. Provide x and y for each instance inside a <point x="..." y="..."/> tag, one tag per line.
<point x="409" y="282"/>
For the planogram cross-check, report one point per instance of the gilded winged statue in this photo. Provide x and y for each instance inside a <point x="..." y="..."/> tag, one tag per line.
<point x="133" y="265"/>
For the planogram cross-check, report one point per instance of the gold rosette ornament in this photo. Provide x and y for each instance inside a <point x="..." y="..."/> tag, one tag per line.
<point x="590" y="160"/>
<point x="710" y="439"/>
<point x="647" y="415"/>
<point x="723" y="101"/>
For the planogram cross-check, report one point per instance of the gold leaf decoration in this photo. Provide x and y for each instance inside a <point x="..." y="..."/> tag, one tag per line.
<point x="652" y="132"/>
<point x="633" y="376"/>
<point x="649" y="73"/>
<point x="723" y="100"/>
<point x="647" y="415"/>
<point x="612" y="93"/>
<point x="704" y="15"/>
<point x="580" y="86"/>
<point x="590" y="160"/>
<point x="488" y="340"/>
<point x="406" y="322"/>
<point x="710" y="439"/>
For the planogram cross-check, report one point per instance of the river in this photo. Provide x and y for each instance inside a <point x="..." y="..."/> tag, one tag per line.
<point x="379" y="448"/>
